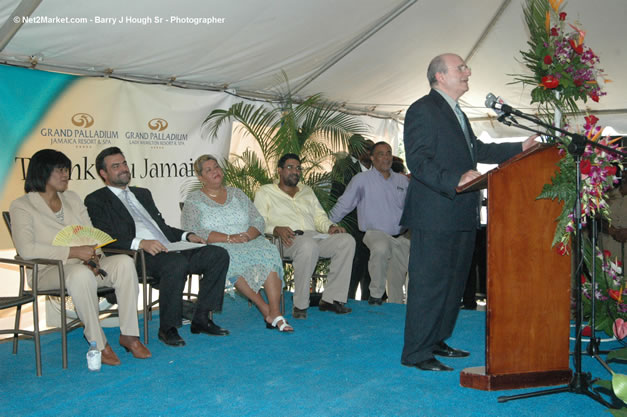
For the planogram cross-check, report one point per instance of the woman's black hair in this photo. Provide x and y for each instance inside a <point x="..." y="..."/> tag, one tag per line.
<point x="40" y="167"/>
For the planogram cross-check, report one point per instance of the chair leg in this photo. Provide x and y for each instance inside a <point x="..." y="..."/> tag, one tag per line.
<point x="36" y="336"/>
<point x="16" y="329"/>
<point x="63" y="331"/>
<point x="145" y="288"/>
<point x="189" y="286"/>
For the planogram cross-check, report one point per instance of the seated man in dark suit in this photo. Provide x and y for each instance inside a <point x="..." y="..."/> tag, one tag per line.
<point x="129" y="215"/>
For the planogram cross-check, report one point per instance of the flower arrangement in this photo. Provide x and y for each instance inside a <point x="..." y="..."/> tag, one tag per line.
<point x="598" y="176"/>
<point x="609" y="290"/>
<point x="563" y="68"/>
<point x="564" y="71"/>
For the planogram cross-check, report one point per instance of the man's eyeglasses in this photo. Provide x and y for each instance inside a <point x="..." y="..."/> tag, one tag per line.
<point x="462" y="68"/>
<point x="293" y="167"/>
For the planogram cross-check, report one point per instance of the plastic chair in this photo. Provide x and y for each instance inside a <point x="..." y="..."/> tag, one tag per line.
<point x="60" y="292"/>
<point x="18" y="301"/>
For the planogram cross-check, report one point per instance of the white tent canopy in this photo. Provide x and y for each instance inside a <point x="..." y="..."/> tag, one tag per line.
<point x="371" y="55"/>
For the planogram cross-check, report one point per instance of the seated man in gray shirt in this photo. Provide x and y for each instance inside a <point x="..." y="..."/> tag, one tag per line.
<point x="379" y="196"/>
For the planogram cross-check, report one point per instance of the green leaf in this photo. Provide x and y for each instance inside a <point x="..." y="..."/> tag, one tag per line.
<point x="618" y="413"/>
<point x="620" y="354"/>
<point x="619" y="385"/>
<point x="603" y="383"/>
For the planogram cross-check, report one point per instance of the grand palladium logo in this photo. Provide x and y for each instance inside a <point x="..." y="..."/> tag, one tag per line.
<point x="157" y="137"/>
<point x="158" y="124"/>
<point x="80" y="134"/>
<point x="84" y="120"/>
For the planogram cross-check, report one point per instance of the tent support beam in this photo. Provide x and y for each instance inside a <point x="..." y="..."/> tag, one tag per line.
<point x="15" y="21"/>
<point x="361" y="38"/>
<point x="245" y="94"/>
<point x="488" y="29"/>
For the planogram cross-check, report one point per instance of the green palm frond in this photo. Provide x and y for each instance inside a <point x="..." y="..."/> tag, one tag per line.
<point x="311" y="128"/>
<point x="246" y="172"/>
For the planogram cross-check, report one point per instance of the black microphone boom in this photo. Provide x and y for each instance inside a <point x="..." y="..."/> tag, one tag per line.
<point x="500" y="107"/>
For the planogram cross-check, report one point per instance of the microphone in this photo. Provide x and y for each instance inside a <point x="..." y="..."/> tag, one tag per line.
<point x="501" y="108"/>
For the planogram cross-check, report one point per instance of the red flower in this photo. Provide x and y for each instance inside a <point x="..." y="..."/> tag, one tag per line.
<point x="554" y="32"/>
<point x="548" y="60"/>
<point x="607" y="254"/>
<point x="585" y="166"/>
<point x="591" y="120"/>
<point x="614" y="294"/>
<point x="549" y="81"/>
<point x="578" y="82"/>
<point x="594" y="97"/>
<point x="577" y="48"/>
<point x="561" y="249"/>
<point x="583" y="279"/>
<point x="563" y="16"/>
<point x="610" y="170"/>
<point x="587" y="331"/>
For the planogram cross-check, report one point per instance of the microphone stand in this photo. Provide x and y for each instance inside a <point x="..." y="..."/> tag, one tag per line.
<point x="580" y="382"/>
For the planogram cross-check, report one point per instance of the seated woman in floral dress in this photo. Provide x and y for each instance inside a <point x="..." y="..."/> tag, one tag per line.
<point x="226" y="217"/>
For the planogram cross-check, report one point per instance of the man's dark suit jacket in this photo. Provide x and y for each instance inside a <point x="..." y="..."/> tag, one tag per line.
<point x="443" y="223"/>
<point x="437" y="155"/>
<point x="108" y="213"/>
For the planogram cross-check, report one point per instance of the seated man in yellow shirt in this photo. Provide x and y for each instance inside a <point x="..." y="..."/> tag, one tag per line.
<point x="293" y="213"/>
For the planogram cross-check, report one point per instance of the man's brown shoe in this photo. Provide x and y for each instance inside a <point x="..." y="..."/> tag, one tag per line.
<point x="108" y="356"/>
<point x="133" y="345"/>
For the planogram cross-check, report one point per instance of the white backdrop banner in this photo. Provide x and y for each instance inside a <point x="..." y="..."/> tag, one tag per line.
<point x="157" y="127"/>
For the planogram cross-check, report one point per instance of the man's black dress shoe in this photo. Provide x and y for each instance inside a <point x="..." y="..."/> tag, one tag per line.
<point x="431" y="364"/>
<point x="171" y="337"/>
<point x="209" y="328"/>
<point x="298" y="313"/>
<point x="336" y="307"/>
<point x="442" y="349"/>
<point x="375" y="301"/>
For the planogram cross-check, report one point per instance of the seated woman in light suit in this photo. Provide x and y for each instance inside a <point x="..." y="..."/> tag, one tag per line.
<point x="227" y="218"/>
<point x="36" y="219"/>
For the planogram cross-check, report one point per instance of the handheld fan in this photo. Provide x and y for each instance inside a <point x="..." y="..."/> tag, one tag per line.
<point x="77" y="235"/>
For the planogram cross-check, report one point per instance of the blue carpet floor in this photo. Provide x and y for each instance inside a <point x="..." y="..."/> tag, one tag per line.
<point x="330" y="366"/>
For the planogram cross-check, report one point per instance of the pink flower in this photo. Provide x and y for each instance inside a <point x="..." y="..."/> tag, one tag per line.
<point x="620" y="329"/>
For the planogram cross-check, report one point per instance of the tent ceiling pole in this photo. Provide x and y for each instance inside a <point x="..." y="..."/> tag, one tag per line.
<point x="245" y="94"/>
<point x="11" y="26"/>
<point x="488" y="29"/>
<point x="354" y="44"/>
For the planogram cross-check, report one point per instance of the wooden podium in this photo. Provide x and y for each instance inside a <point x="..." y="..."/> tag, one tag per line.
<point x="528" y="283"/>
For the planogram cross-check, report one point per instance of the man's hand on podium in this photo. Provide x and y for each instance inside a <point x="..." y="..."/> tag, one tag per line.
<point x="468" y="176"/>
<point x="529" y="142"/>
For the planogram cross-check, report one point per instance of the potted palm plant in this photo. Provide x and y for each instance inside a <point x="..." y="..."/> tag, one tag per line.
<point x="312" y="128"/>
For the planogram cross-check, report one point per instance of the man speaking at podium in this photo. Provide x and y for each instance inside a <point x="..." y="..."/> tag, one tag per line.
<point x="442" y="153"/>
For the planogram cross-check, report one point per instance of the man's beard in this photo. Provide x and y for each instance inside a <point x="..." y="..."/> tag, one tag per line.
<point x="292" y="180"/>
<point x="121" y="181"/>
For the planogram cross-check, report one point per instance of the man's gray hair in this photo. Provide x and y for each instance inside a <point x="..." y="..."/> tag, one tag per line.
<point x="436" y="65"/>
